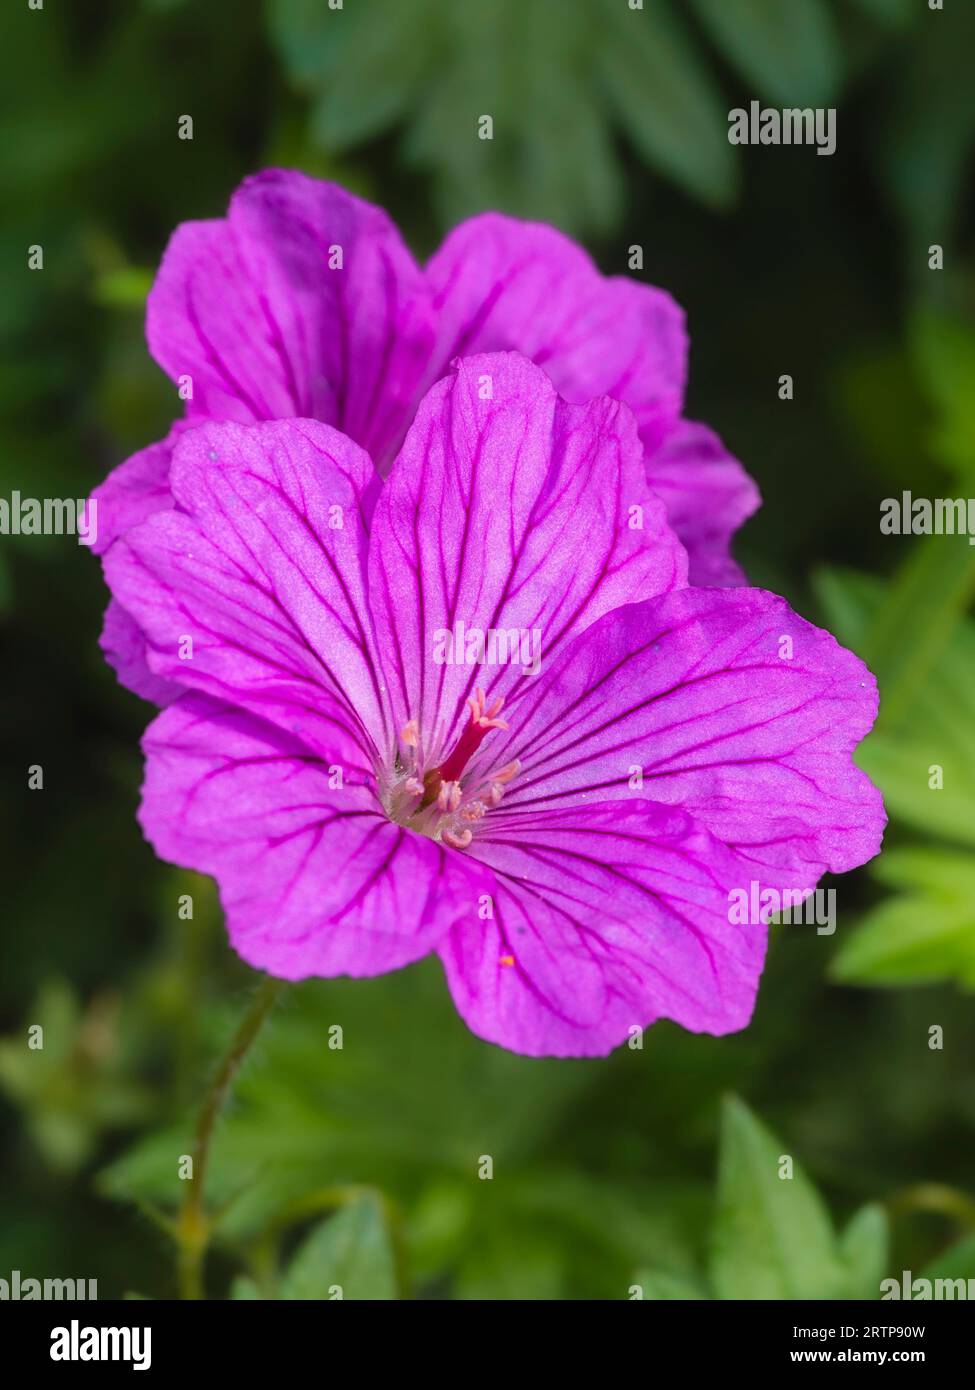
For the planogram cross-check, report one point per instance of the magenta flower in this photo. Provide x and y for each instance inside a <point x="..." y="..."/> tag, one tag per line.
<point x="563" y="822"/>
<point x="305" y="302"/>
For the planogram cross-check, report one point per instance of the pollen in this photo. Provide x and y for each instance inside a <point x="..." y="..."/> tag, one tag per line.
<point x="448" y="801"/>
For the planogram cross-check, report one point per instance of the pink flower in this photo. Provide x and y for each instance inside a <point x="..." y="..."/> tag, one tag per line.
<point x="304" y="302"/>
<point x="567" y="840"/>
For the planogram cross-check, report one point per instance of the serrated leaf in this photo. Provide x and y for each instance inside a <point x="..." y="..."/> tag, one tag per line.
<point x="310" y="37"/>
<point x="538" y="71"/>
<point x="372" y="69"/>
<point x="350" y="1252"/>
<point x="789" y="51"/>
<point x="342" y="1112"/>
<point x="864" y="1249"/>
<point x="667" y="99"/>
<point x="910" y="939"/>
<point x="527" y="67"/>
<point x="918" y="620"/>
<point x="772" y="1237"/>
<point x="933" y="720"/>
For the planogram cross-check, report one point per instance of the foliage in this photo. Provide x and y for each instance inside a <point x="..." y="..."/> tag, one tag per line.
<point x="922" y="752"/>
<point x="771" y="1236"/>
<point x="559" y="80"/>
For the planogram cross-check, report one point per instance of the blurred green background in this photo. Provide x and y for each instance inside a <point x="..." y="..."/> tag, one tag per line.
<point x="641" y="1169"/>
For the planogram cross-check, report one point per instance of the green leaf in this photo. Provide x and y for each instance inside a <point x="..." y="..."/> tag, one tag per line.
<point x="772" y="1237"/>
<point x="74" y="1086"/>
<point x="882" y="402"/>
<point x="350" y="1252"/>
<point x="789" y="51"/>
<point x="893" y="14"/>
<point x="938" y="872"/>
<point x="311" y="37"/>
<point x="341" y="1113"/>
<point x="667" y="99"/>
<point x="918" y="620"/>
<point x="957" y="1262"/>
<point x="550" y="75"/>
<point x="528" y="67"/>
<point x="660" y="1286"/>
<point x="925" y="146"/>
<point x="864" y="1249"/>
<point x="514" y="1265"/>
<point x="944" y="351"/>
<point x="244" y="1288"/>
<point x="374" y="66"/>
<point x="913" y="938"/>
<point x="930" y="717"/>
<point x="849" y="600"/>
<point x="124" y="288"/>
<point x="900" y="767"/>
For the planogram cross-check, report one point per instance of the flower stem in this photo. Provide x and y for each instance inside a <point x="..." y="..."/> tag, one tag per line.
<point x="193" y="1230"/>
<point x="938" y="1199"/>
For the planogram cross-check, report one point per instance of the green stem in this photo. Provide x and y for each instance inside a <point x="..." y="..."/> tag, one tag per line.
<point x="193" y="1230"/>
<point x="938" y="1199"/>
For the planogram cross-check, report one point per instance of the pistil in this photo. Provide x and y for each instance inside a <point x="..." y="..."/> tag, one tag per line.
<point x="483" y="720"/>
<point x="436" y="802"/>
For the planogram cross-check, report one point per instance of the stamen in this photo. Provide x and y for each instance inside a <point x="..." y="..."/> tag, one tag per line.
<point x="432" y="801"/>
<point x="448" y="797"/>
<point x="506" y="773"/>
<point x="460" y="841"/>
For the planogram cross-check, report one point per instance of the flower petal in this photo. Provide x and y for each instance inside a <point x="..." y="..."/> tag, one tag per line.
<point x="124" y="645"/>
<point x="503" y="284"/>
<point x="134" y="490"/>
<point x="606" y="918"/>
<point x="721" y="701"/>
<point x="507" y="509"/>
<point x="258" y="312"/>
<point x="313" y="878"/>
<point x="261" y="566"/>
<point x="708" y="495"/>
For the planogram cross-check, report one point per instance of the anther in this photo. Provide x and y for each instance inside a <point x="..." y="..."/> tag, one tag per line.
<point x="460" y="841"/>
<point x="506" y="773"/>
<point x="448" y="797"/>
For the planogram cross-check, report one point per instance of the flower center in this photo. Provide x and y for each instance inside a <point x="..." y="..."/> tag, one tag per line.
<point x="442" y="801"/>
